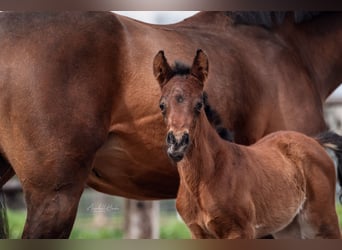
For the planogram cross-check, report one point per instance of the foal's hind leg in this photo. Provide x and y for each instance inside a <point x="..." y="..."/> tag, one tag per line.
<point x="319" y="222"/>
<point x="292" y="231"/>
<point x="318" y="218"/>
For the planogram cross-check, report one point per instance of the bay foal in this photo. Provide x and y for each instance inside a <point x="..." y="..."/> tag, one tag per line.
<point x="283" y="185"/>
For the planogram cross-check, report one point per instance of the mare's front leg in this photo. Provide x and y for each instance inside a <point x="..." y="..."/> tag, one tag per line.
<point x="52" y="204"/>
<point x="53" y="176"/>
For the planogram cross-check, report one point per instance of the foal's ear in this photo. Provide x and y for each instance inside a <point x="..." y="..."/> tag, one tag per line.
<point x="200" y="66"/>
<point x="161" y="69"/>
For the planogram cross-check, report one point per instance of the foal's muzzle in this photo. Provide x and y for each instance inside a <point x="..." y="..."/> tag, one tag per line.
<point x="177" y="146"/>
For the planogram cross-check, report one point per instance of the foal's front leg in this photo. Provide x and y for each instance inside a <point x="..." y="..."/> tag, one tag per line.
<point x="197" y="232"/>
<point x="222" y="229"/>
<point x="246" y="233"/>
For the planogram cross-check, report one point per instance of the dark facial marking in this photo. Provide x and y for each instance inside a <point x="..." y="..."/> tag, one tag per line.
<point x="179" y="98"/>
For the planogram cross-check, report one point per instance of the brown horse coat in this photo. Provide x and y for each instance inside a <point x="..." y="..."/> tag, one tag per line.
<point x="282" y="185"/>
<point x="73" y="109"/>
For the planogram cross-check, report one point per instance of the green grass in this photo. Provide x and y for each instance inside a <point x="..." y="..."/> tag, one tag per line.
<point x="105" y="233"/>
<point x="339" y="213"/>
<point x="16" y="221"/>
<point x="84" y="228"/>
<point x="172" y="228"/>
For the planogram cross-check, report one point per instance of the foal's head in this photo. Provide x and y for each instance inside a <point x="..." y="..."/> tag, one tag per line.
<point x="181" y="100"/>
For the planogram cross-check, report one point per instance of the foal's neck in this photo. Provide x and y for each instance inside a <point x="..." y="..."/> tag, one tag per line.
<point x="199" y="163"/>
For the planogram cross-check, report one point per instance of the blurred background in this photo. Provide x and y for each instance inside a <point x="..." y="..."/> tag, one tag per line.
<point x="102" y="216"/>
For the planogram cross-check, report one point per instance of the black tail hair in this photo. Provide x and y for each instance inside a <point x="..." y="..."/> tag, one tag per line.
<point x="3" y="216"/>
<point x="333" y="141"/>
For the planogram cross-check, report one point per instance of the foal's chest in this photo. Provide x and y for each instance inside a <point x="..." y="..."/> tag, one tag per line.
<point x="214" y="225"/>
<point x="202" y="222"/>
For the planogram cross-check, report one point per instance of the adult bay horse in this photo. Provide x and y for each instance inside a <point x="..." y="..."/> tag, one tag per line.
<point x="282" y="185"/>
<point x="73" y="109"/>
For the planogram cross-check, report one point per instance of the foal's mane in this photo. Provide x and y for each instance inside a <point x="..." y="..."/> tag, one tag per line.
<point x="214" y="118"/>
<point x="180" y="68"/>
<point x="271" y="19"/>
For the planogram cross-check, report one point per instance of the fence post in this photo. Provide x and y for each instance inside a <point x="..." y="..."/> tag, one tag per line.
<point x="141" y="219"/>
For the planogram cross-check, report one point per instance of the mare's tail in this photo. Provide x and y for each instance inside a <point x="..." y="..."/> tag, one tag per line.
<point x="333" y="141"/>
<point x="3" y="216"/>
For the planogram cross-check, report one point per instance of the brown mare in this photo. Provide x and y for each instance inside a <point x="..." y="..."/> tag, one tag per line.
<point x="282" y="185"/>
<point x="73" y="108"/>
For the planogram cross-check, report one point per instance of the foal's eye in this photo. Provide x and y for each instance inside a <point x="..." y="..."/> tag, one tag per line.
<point x="162" y="107"/>
<point x="198" y="106"/>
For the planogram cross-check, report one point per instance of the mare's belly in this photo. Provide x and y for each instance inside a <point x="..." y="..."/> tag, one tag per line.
<point x="127" y="167"/>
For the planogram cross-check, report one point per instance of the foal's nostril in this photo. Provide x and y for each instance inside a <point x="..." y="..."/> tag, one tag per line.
<point x="185" y="139"/>
<point x="170" y="139"/>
